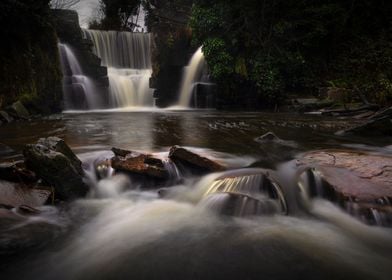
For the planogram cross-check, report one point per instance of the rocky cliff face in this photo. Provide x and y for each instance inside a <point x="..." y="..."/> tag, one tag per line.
<point x="167" y="21"/>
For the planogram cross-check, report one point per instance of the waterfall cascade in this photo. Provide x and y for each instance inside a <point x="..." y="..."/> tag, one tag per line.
<point x="127" y="56"/>
<point x="79" y="90"/>
<point x="194" y="77"/>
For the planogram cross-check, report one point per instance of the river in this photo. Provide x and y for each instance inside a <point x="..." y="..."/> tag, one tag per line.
<point x="121" y="231"/>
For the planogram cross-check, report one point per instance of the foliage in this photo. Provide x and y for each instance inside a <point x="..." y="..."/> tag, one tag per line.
<point x="266" y="49"/>
<point x="117" y="15"/>
<point x="29" y="62"/>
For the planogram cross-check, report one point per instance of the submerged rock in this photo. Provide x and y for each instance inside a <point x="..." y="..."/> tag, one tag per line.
<point x="53" y="161"/>
<point x="269" y="136"/>
<point x="184" y="157"/>
<point x="352" y="179"/>
<point x="141" y="164"/>
<point x="14" y="195"/>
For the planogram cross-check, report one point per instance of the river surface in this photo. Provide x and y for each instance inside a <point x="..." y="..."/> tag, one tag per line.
<point x="123" y="232"/>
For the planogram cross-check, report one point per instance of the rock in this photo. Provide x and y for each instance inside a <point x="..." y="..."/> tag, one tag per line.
<point x="59" y="145"/>
<point x="27" y="210"/>
<point x="182" y="156"/>
<point x="53" y="161"/>
<point x="16" y="172"/>
<point x="352" y="177"/>
<point x="103" y="169"/>
<point x="19" y="110"/>
<point x="269" y="136"/>
<point x="5" y="150"/>
<point x="5" y="117"/>
<point x="375" y="127"/>
<point x="121" y="152"/>
<point x="14" y="195"/>
<point x="140" y="164"/>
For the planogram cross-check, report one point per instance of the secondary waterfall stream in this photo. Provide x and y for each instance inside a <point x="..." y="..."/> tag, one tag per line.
<point x="192" y="74"/>
<point x="127" y="56"/>
<point x="77" y="87"/>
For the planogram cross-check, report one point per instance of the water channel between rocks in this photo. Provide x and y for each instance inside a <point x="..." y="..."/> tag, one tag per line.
<point x="121" y="232"/>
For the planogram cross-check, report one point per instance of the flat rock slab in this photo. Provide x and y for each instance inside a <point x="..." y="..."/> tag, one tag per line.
<point x="141" y="164"/>
<point x="12" y="194"/>
<point x="372" y="173"/>
<point x="184" y="156"/>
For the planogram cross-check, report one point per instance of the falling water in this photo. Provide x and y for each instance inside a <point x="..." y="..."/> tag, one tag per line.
<point x="192" y="74"/>
<point x="79" y="90"/>
<point x="127" y="56"/>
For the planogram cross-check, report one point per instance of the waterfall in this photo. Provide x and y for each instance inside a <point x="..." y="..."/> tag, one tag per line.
<point x="192" y="74"/>
<point x="128" y="58"/>
<point x="79" y="90"/>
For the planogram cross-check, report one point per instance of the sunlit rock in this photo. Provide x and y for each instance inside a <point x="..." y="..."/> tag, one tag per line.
<point x="141" y="164"/>
<point x="185" y="157"/>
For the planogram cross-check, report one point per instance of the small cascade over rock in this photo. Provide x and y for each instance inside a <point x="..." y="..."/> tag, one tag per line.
<point x="128" y="58"/>
<point x="195" y="82"/>
<point x="79" y="90"/>
<point x="245" y="192"/>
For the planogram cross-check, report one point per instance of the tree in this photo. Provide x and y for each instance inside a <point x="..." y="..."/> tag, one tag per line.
<point x="118" y="15"/>
<point x="63" y="4"/>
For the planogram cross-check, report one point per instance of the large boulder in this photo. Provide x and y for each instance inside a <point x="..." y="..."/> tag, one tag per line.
<point x="140" y="164"/>
<point x="53" y="161"/>
<point x="185" y="157"/>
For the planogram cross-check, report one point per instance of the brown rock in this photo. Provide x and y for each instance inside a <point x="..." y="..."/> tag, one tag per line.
<point x="140" y="164"/>
<point x="183" y="156"/>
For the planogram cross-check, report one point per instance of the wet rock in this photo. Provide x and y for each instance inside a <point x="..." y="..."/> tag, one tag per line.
<point x="351" y="177"/>
<point x="103" y="169"/>
<point x="15" y="195"/>
<point x="59" y="145"/>
<point x="27" y="210"/>
<point x="269" y="136"/>
<point x="4" y="116"/>
<point x="5" y="150"/>
<point x="184" y="157"/>
<point x="121" y="152"/>
<point x="53" y="161"/>
<point x="140" y="164"/>
<point x="16" y="172"/>
<point x="18" y="110"/>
